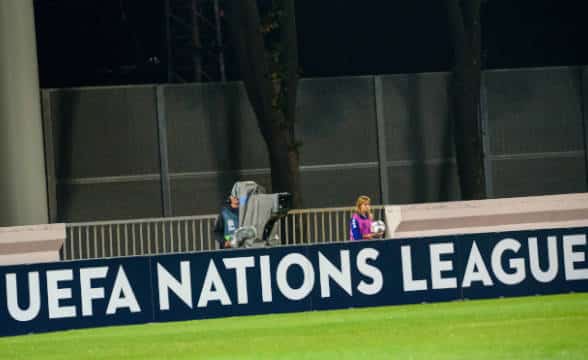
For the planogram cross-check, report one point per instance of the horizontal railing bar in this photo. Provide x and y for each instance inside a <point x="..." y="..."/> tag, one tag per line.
<point x="333" y="209"/>
<point x="141" y="221"/>
<point x="204" y="217"/>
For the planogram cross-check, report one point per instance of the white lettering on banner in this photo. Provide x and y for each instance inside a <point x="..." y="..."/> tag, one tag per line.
<point x="370" y="271"/>
<point x="551" y="272"/>
<point x="34" y="297"/>
<point x="438" y="266"/>
<point x="408" y="283"/>
<point x="517" y="263"/>
<point x="329" y="271"/>
<point x="307" y="276"/>
<point x="55" y="294"/>
<point x="254" y="278"/>
<point x="240" y="266"/>
<point x="214" y="289"/>
<point x="182" y="288"/>
<point x="266" y="278"/>
<point x="122" y="295"/>
<point x="571" y="257"/>
<point x="87" y="292"/>
<point x="213" y="280"/>
<point x="475" y="261"/>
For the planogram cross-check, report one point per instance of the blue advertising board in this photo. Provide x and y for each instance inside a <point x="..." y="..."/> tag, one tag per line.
<point x="80" y="294"/>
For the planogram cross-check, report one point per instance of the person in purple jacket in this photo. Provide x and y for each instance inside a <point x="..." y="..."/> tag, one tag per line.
<point x="360" y="226"/>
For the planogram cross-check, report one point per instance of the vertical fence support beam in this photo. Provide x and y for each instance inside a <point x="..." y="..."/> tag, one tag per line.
<point x="484" y="126"/>
<point x="163" y="154"/>
<point x="381" y="132"/>
<point x="583" y="106"/>
<point x="49" y="155"/>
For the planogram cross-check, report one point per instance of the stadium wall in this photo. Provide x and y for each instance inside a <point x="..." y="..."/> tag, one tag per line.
<point x="133" y="290"/>
<point x="109" y="148"/>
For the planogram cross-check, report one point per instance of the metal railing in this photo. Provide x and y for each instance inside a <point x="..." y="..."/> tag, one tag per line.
<point x="318" y="226"/>
<point x="106" y="239"/>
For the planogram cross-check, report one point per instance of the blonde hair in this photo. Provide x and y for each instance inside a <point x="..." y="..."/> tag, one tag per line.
<point x="360" y="201"/>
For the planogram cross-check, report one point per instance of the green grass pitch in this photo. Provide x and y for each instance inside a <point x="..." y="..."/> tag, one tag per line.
<point x="540" y="327"/>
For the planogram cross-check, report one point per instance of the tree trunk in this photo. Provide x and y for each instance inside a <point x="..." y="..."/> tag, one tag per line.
<point x="276" y="123"/>
<point x="285" y="165"/>
<point x="464" y="19"/>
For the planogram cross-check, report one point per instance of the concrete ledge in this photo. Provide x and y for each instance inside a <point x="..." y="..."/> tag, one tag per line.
<point x="31" y="244"/>
<point x="467" y="217"/>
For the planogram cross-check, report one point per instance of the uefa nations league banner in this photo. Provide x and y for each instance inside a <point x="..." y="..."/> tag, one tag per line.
<point x="80" y="294"/>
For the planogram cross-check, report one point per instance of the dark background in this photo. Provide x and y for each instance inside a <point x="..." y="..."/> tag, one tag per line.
<point x="102" y="42"/>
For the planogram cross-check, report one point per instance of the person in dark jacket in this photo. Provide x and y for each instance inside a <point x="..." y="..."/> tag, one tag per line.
<point x="227" y="222"/>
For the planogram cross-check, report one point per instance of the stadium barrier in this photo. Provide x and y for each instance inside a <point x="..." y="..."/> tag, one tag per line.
<point x="478" y="216"/>
<point x="207" y="284"/>
<point x="318" y="226"/>
<point x="31" y="243"/>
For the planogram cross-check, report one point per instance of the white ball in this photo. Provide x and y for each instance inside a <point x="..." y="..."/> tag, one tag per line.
<point x="378" y="226"/>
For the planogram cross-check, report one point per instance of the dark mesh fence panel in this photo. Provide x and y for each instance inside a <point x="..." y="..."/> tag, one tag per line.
<point x="337" y="125"/>
<point x="100" y="134"/>
<point x="212" y="127"/>
<point x="109" y="201"/>
<point x="337" y="121"/>
<point x="105" y="132"/>
<point x="418" y="138"/>
<point x="416" y="117"/>
<point x="536" y="131"/>
<point x="340" y="187"/>
<point x="534" y="110"/>
<point x="539" y="176"/>
<point x="419" y="182"/>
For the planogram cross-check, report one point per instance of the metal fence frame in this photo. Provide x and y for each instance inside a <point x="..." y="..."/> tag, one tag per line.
<point x="384" y="163"/>
<point x="107" y="239"/>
